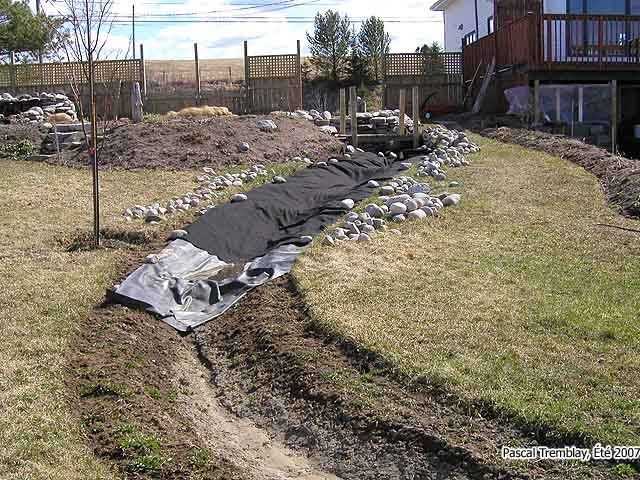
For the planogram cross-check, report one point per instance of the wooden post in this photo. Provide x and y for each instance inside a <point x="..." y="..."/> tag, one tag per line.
<point x="580" y="104"/>
<point x="12" y="72"/>
<point x="614" y="116"/>
<point x="301" y="97"/>
<point x="197" y="65"/>
<point x="558" y="115"/>
<point x="353" y="99"/>
<point x="343" y="111"/>
<point x="143" y="72"/>
<point x="247" y="84"/>
<point x="415" y="111"/>
<point x="403" y="103"/>
<point x="536" y="102"/>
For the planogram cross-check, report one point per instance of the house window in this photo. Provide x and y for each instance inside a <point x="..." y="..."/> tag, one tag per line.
<point x="490" y="26"/>
<point x="602" y="7"/>
<point x="469" y="38"/>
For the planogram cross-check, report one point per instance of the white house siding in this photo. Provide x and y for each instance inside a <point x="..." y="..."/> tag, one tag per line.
<point x="463" y="12"/>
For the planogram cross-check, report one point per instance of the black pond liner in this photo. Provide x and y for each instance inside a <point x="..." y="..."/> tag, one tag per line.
<point x="263" y="233"/>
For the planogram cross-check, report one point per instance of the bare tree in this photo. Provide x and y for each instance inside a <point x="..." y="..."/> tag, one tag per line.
<point x="88" y="26"/>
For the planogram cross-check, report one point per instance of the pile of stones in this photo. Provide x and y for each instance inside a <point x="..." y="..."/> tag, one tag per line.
<point x="210" y="186"/>
<point x="402" y="199"/>
<point x="448" y="147"/>
<point x="29" y="109"/>
<point x="383" y="121"/>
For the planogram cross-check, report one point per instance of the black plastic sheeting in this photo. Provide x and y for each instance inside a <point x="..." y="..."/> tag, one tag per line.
<point x="262" y="233"/>
<point x="279" y="214"/>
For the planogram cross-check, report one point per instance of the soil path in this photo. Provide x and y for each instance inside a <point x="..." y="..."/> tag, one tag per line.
<point x="235" y="439"/>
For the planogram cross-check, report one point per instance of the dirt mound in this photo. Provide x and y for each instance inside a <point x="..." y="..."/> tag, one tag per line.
<point x="619" y="176"/>
<point x="16" y="133"/>
<point x="182" y="144"/>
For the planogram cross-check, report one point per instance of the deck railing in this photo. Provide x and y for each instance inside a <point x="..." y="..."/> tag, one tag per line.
<point x="593" y="41"/>
<point x="559" y="42"/>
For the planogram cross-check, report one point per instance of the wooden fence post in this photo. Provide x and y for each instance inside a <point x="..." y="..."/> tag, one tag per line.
<point x="143" y="72"/>
<point x="197" y="65"/>
<point x="614" y="116"/>
<point x="12" y="72"/>
<point x="343" y="111"/>
<point x="353" y="100"/>
<point x="536" y="102"/>
<point x="416" y="116"/>
<point x="301" y="99"/>
<point x="403" y="103"/>
<point x="249" y="102"/>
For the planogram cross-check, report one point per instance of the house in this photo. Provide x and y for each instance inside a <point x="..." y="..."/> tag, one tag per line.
<point x="580" y="59"/>
<point x="464" y="21"/>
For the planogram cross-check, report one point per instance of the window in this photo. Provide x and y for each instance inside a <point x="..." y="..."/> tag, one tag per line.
<point x="469" y="38"/>
<point x="603" y="7"/>
<point x="491" y="25"/>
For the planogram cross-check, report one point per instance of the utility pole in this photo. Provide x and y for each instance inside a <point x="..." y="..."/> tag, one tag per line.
<point x="38" y="11"/>
<point x="133" y="29"/>
<point x="93" y="154"/>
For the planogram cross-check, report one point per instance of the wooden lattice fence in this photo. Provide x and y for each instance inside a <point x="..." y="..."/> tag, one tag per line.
<point x="439" y="78"/>
<point x="274" y="82"/>
<point x="65" y="73"/>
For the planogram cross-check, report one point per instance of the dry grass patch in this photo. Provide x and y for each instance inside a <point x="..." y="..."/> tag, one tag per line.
<point x="517" y="297"/>
<point x="47" y="289"/>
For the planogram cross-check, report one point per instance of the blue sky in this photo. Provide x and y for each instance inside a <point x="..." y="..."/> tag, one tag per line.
<point x="275" y="31"/>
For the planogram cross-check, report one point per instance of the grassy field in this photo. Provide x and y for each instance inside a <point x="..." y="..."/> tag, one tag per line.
<point x="517" y="297"/>
<point x="45" y="291"/>
<point x="179" y="72"/>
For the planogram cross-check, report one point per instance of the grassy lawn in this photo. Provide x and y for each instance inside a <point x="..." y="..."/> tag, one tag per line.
<point x="45" y="291"/>
<point x="516" y="297"/>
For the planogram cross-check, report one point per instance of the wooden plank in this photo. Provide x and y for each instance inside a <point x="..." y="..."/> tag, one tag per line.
<point x="415" y="115"/>
<point x="614" y="116"/>
<point x="485" y="85"/>
<point x="353" y="99"/>
<point x="343" y="111"/>
<point x="143" y="72"/>
<point x="299" y="67"/>
<point x="197" y="67"/>
<point x="536" y="102"/>
<point x="403" y="103"/>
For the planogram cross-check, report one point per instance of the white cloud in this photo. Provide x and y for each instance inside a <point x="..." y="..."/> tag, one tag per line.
<point x="225" y="40"/>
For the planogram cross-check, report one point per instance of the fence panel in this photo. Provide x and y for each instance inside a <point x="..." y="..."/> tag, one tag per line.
<point x="274" y="82"/>
<point x="439" y="78"/>
<point x="65" y="73"/>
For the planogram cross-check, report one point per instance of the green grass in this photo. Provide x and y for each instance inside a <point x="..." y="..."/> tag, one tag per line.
<point x="516" y="297"/>
<point x="47" y="290"/>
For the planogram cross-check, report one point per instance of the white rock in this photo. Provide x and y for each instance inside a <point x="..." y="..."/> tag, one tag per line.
<point x="452" y="200"/>
<point x="176" y="234"/>
<point x="350" y="149"/>
<point x="374" y="210"/>
<point x="238" y="197"/>
<point x="363" y="237"/>
<point x="372" y="184"/>
<point x="347" y="203"/>
<point x="416" y="215"/>
<point x="279" y="179"/>
<point x="398" y="218"/>
<point x="397" y="208"/>
<point x="329" y="241"/>
<point x="411" y="205"/>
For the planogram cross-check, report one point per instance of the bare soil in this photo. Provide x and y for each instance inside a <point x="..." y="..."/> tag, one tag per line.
<point x="185" y="144"/>
<point x="260" y="393"/>
<point x="16" y="133"/>
<point x="619" y="176"/>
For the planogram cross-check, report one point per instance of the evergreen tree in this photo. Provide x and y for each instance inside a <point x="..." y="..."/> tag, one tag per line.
<point x="373" y="43"/>
<point x="23" y="32"/>
<point x="330" y="44"/>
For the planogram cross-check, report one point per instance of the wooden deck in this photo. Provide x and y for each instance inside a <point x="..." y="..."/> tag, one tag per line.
<point x="544" y="42"/>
